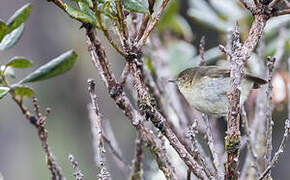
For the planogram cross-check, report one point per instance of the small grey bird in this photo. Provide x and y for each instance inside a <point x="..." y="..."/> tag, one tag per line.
<point x="206" y="88"/>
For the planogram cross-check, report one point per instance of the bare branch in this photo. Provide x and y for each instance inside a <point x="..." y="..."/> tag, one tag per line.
<point x="152" y="24"/>
<point x="191" y="133"/>
<point x="143" y="26"/>
<point x="107" y="34"/>
<point x="210" y="142"/>
<point x="226" y="51"/>
<point x="137" y="161"/>
<point x="40" y="123"/>
<point x="269" y="120"/>
<point x="97" y="131"/>
<point x="123" y="165"/>
<point x="121" y="18"/>
<point x="77" y="172"/>
<point x="124" y="75"/>
<point x="250" y="145"/>
<point x="279" y="151"/>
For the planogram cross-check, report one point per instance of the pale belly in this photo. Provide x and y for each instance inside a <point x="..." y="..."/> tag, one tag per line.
<point x="210" y="96"/>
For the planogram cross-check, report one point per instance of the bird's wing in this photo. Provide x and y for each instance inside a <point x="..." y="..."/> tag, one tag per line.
<point x="216" y="72"/>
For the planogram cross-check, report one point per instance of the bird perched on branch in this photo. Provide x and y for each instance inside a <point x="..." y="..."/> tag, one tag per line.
<point x="207" y="88"/>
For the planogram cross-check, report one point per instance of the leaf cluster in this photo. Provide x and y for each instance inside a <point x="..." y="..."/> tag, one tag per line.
<point x="10" y="33"/>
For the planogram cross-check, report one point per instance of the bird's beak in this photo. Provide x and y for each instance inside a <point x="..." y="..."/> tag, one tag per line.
<point x="172" y="80"/>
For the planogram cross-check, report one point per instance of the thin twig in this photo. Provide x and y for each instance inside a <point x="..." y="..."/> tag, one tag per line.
<point x="38" y="121"/>
<point x="143" y="26"/>
<point x="77" y="172"/>
<point x="212" y="150"/>
<point x="226" y="51"/>
<point x="152" y="24"/>
<point x="97" y="131"/>
<point x="279" y="151"/>
<point x="269" y="120"/>
<point x="124" y="75"/>
<point x="116" y="153"/>
<point x="250" y="145"/>
<point x="122" y="22"/>
<point x="107" y="34"/>
<point x="137" y="161"/>
<point x="191" y="133"/>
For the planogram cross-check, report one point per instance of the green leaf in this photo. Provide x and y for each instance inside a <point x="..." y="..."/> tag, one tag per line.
<point x="3" y="29"/>
<point x="12" y="38"/>
<point x="18" y="17"/>
<point x="53" y="68"/>
<point x="87" y="10"/>
<point x="19" y="62"/>
<point x="77" y="14"/>
<point x="135" y="6"/>
<point x="24" y="91"/>
<point x="3" y="91"/>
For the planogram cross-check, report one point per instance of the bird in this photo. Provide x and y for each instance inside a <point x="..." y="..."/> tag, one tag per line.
<point x="206" y="88"/>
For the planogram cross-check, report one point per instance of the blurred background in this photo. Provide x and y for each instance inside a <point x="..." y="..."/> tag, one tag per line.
<point x="48" y="33"/>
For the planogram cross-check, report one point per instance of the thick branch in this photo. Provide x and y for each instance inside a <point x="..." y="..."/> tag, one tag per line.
<point x="232" y="140"/>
